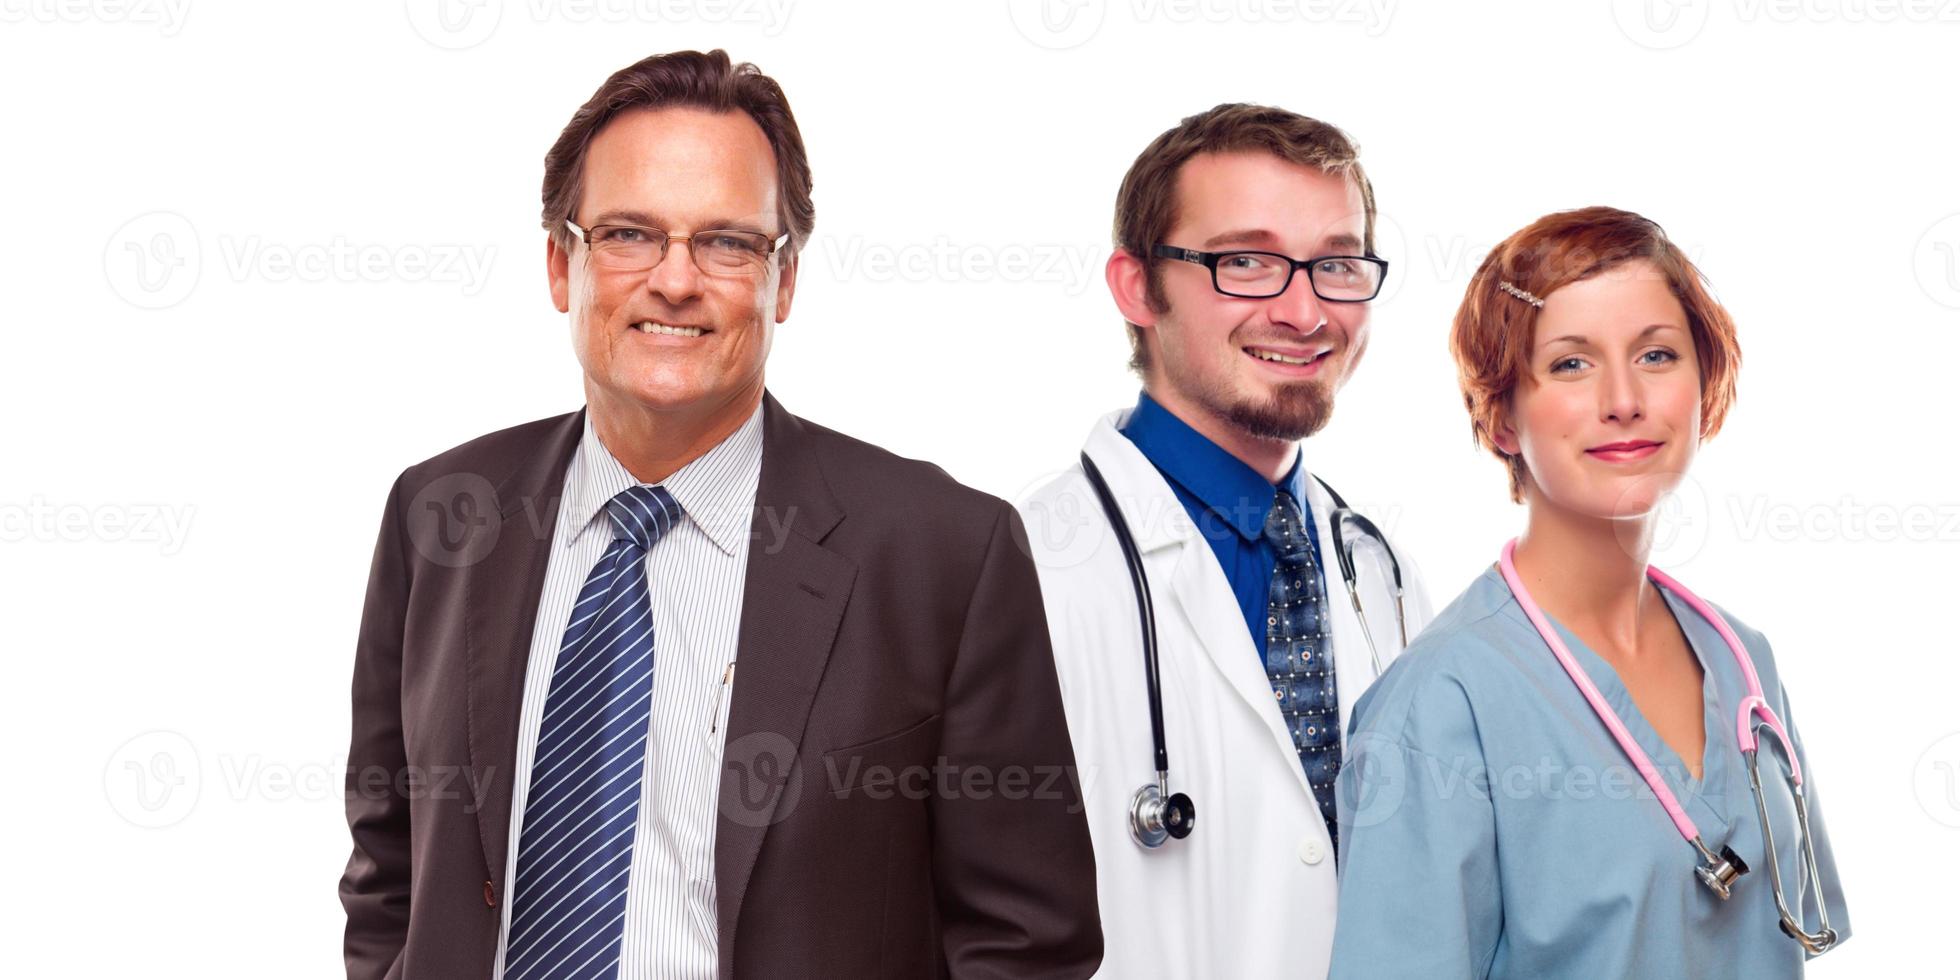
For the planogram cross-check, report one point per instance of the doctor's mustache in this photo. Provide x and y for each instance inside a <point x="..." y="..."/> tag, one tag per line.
<point x="1294" y="410"/>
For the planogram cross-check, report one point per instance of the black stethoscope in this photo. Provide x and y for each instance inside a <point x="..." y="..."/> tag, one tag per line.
<point x="1156" y="813"/>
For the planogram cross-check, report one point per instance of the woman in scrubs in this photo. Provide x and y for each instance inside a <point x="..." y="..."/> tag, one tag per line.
<point x="1492" y="825"/>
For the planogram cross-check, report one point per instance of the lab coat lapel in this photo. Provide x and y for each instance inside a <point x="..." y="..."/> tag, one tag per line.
<point x="1205" y="597"/>
<point x="1198" y="587"/>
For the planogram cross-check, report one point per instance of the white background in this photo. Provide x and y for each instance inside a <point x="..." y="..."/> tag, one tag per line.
<point x="203" y="411"/>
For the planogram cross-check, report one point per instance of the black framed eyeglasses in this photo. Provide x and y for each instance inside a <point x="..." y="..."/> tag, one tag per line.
<point x="1264" y="275"/>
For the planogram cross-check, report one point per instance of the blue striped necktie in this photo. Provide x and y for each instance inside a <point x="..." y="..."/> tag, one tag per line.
<point x="573" y="859"/>
<point x="1299" y="659"/>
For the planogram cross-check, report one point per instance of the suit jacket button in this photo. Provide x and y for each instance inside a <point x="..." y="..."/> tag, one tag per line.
<point x="489" y="895"/>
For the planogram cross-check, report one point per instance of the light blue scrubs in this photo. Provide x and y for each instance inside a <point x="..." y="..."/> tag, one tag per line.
<point x="1492" y="827"/>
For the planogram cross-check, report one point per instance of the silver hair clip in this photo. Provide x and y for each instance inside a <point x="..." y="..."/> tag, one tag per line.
<point x="1521" y="294"/>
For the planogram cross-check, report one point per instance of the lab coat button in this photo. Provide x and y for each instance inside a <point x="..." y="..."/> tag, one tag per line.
<point x="1310" y="851"/>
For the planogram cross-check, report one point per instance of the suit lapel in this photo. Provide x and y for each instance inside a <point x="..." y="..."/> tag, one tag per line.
<point x="502" y="608"/>
<point x="793" y="599"/>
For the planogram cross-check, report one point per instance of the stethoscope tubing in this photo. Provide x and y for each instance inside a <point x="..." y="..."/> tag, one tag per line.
<point x="1146" y="613"/>
<point x="1752" y="703"/>
<point x="1147" y="616"/>
<point x="1719" y="870"/>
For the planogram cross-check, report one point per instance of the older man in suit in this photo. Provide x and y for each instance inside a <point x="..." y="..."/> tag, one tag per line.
<point x="679" y="684"/>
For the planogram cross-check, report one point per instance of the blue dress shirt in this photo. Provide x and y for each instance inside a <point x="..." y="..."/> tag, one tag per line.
<point x="1227" y="500"/>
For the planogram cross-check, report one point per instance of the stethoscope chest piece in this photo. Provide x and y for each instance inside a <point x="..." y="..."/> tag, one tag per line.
<point x="1718" y="872"/>
<point x="1155" y="818"/>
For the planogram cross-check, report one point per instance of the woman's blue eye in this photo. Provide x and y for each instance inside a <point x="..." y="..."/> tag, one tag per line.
<point x="1558" y="366"/>
<point x="1667" y="354"/>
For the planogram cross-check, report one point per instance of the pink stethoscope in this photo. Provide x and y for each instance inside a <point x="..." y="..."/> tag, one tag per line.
<point x="1717" y="871"/>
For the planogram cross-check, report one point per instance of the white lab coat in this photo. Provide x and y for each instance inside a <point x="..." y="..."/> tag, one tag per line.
<point x="1250" y="894"/>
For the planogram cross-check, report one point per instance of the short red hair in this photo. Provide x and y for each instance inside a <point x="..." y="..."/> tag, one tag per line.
<point x="1491" y="339"/>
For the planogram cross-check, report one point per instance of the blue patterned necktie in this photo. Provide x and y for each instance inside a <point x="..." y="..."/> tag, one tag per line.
<point x="576" y="850"/>
<point x="1299" y="655"/>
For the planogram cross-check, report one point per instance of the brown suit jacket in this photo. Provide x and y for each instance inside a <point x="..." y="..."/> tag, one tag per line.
<point x="898" y="795"/>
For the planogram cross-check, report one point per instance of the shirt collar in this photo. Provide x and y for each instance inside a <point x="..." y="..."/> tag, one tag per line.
<point x="1237" y="493"/>
<point x="716" y="489"/>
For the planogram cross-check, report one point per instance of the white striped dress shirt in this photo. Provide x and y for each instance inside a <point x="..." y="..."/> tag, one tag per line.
<point x="694" y="577"/>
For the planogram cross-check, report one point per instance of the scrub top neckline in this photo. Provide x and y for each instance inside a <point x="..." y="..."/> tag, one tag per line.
<point x="1672" y="767"/>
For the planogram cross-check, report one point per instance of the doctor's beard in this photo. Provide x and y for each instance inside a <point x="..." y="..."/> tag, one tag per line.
<point x="1293" y="411"/>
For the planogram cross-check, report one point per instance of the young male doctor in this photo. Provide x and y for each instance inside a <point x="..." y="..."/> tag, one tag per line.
<point x="1245" y="269"/>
